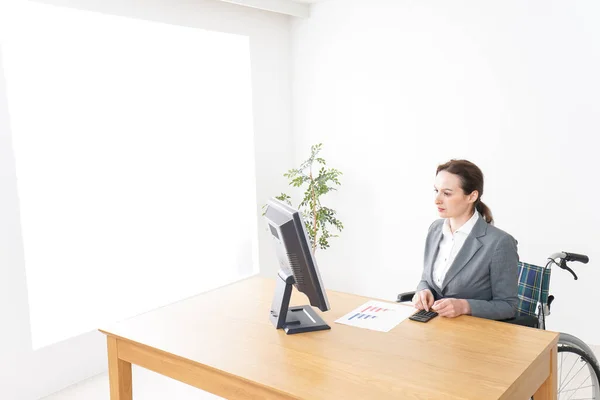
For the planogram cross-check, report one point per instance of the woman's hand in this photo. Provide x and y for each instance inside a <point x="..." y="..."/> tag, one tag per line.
<point x="423" y="299"/>
<point x="451" y="308"/>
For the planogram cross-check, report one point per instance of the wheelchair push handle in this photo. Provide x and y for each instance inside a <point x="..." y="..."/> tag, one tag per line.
<point x="577" y="257"/>
<point x="564" y="257"/>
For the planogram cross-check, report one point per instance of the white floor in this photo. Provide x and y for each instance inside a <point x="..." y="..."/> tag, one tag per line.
<point x="147" y="385"/>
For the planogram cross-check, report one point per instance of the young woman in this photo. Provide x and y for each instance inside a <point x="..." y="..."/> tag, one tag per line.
<point x="470" y="265"/>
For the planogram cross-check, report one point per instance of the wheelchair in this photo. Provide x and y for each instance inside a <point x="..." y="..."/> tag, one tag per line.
<point x="578" y="368"/>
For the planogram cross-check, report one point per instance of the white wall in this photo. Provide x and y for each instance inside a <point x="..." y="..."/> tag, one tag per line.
<point x="393" y="88"/>
<point x="25" y="376"/>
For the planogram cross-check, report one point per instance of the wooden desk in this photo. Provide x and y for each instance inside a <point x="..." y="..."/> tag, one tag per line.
<point x="222" y="342"/>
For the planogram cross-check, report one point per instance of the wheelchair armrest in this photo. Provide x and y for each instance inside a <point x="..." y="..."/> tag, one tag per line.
<point x="406" y="296"/>
<point x="523" y="320"/>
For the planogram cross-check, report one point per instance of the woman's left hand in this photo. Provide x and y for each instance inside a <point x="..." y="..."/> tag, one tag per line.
<point x="451" y="308"/>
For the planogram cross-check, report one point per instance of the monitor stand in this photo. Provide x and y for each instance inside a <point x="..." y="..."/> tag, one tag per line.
<point x="297" y="319"/>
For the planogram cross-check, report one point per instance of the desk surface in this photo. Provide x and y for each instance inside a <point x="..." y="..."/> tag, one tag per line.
<point x="228" y="332"/>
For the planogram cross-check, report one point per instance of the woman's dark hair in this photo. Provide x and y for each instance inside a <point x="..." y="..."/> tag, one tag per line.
<point x="471" y="178"/>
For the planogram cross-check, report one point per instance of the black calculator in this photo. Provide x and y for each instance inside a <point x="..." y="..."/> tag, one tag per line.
<point x="423" y="316"/>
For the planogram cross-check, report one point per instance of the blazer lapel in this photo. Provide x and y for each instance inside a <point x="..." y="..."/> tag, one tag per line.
<point x="436" y="240"/>
<point x="466" y="253"/>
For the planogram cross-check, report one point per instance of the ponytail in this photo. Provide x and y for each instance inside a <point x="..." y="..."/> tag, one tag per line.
<point x="485" y="212"/>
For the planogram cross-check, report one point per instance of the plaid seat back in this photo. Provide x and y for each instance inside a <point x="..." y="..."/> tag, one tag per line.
<point x="530" y="281"/>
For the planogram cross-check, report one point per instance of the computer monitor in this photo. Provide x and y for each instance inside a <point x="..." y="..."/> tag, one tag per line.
<point x="297" y="267"/>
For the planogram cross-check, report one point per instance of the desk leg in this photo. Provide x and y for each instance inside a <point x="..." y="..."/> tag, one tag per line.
<point x="549" y="388"/>
<point x="119" y="373"/>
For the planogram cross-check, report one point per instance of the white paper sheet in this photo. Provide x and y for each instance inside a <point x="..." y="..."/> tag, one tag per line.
<point x="377" y="316"/>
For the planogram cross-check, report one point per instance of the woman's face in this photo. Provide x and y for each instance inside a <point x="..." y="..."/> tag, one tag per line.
<point x="450" y="199"/>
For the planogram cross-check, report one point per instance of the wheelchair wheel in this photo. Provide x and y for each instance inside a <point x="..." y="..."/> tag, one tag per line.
<point x="574" y="341"/>
<point x="578" y="374"/>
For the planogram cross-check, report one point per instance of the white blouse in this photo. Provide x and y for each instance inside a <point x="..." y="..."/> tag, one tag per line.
<point x="450" y="246"/>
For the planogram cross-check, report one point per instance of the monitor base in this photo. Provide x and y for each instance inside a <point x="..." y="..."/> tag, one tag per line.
<point x="302" y="319"/>
<point x="296" y="319"/>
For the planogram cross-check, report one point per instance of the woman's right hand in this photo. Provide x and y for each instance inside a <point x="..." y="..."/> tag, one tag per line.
<point x="423" y="299"/>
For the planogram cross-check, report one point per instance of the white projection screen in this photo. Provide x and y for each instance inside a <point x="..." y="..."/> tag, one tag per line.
<point x="134" y="153"/>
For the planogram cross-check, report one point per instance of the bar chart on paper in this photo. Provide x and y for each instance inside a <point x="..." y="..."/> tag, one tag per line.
<point x="377" y="316"/>
<point x="372" y="312"/>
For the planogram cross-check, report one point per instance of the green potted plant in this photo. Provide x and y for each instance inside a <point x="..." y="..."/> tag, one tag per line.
<point x="318" y="218"/>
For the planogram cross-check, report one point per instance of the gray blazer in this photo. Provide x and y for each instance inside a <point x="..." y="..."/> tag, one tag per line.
<point x="484" y="272"/>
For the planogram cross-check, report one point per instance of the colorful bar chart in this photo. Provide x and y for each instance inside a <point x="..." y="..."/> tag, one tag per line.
<point x="376" y="309"/>
<point x="363" y="316"/>
<point x="377" y="315"/>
